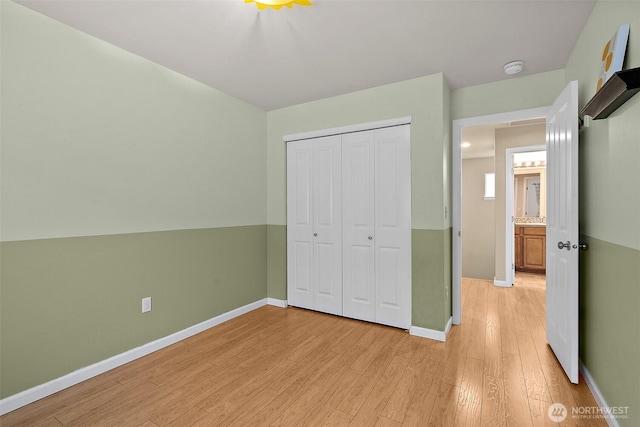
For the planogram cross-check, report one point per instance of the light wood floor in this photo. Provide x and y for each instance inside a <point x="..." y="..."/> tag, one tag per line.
<point x="292" y="367"/>
<point x="530" y="280"/>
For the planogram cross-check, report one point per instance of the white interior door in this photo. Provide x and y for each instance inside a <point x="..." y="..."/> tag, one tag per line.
<point x="327" y="224"/>
<point x="299" y="225"/>
<point x="377" y="225"/>
<point x="392" y="235"/>
<point x="358" y="227"/>
<point x="314" y="237"/>
<point x="562" y="229"/>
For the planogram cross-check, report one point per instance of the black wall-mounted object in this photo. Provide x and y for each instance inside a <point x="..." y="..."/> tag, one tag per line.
<point x="615" y="92"/>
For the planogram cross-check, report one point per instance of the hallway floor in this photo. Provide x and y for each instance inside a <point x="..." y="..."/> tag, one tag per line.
<point x="531" y="280"/>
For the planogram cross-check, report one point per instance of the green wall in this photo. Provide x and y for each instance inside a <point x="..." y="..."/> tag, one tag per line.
<point x="518" y="93"/>
<point x="426" y="100"/>
<point x="610" y="324"/>
<point x="96" y="140"/>
<point x="71" y="302"/>
<point x="277" y="261"/>
<point x="610" y="218"/>
<point x="120" y="179"/>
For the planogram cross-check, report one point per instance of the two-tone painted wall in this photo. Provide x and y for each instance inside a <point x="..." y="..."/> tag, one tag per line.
<point x="609" y="201"/>
<point x="120" y="180"/>
<point x="610" y="218"/>
<point x="426" y="100"/>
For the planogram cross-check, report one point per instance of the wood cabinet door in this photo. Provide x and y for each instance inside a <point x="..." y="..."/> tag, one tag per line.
<point x="534" y="252"/>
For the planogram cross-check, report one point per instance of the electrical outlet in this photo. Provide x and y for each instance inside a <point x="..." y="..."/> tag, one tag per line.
<point x="146" y="304"/>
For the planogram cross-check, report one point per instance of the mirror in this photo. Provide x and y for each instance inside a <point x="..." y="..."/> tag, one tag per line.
<point x="528" y="195"/>
<point x="530" y="185"/>
<point x="532" y="197"/>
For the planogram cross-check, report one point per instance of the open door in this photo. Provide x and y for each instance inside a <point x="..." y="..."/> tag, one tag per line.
<point x="562" y="229"/>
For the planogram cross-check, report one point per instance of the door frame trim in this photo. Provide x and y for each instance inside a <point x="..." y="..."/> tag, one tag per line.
<point x="456" y="190"/>
<point x="399" y="121"/>
<point x="509" y="233"/>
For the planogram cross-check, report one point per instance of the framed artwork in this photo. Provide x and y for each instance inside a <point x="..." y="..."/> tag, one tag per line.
<point x="613" y="55"/>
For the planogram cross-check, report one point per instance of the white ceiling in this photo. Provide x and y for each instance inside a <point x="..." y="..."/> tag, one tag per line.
<point x="274" y="59"/>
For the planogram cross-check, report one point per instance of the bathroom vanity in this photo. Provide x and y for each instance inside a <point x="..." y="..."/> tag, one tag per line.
<point x="530" y="247"/>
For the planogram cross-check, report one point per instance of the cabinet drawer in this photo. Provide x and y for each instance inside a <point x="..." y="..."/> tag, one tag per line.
<point x="535" y="231"/>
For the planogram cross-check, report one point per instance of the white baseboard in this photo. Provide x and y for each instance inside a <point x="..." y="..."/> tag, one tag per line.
<point x="26" y="397"/>
<point x="432" y="334"/>
<point x="277" y="302"/>
<point x="597" y="395"/>
<point x="448" y="327"/>
<point x="501" y="283"/>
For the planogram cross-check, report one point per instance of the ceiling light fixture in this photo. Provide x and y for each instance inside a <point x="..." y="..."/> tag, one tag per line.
<point x="513" y="67"/>
<point x="465" y="145"/>
<point x="278" y="4"/>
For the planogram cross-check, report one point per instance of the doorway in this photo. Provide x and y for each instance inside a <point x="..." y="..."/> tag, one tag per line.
<point x="561" y="137"/>
<point x="525" y="213"/>
<point x="457" y="140"/>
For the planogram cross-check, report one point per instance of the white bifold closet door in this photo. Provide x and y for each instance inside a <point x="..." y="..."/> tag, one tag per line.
<point x="314" y="222"/>
<point x="376" y="225"/>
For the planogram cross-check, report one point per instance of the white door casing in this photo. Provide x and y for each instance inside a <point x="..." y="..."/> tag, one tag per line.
<point x="562" y="230"/>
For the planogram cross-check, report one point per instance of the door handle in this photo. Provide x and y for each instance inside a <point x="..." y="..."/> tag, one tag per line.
<point x="566" y="245"/>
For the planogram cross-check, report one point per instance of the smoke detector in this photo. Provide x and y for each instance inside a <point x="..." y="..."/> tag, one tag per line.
<point x="513" y="67"/>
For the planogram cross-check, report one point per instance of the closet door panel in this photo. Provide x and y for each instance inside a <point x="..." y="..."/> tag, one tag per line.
<point x="358" y="225"/>
<point x="388" y="276"/>
<point x="299" y="225"/>
<point x="393" y="226"/>
<point x="302" y="254"/>
<point x="327" y="224"/>
<point x="302" y="171"/>
<point x="325" y="185"/>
